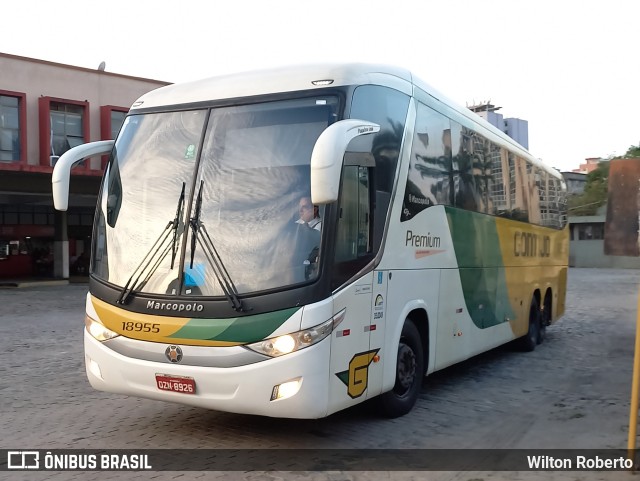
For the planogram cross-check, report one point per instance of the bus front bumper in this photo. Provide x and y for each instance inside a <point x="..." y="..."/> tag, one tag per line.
<point x="245" y="389"/>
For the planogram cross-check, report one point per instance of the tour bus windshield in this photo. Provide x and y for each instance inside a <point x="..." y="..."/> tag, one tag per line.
<point x="221" y="196"/>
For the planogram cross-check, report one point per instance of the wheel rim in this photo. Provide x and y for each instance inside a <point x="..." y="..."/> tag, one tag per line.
<point x="406" y="369"/>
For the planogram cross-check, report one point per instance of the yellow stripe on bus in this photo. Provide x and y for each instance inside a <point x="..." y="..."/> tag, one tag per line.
<point x="147" y="327"/>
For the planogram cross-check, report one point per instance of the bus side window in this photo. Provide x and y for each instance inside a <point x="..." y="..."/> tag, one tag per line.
<point x="353" y="239"/>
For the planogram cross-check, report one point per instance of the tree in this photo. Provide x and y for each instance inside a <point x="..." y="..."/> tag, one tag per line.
<point x="633" y="152"/>
<point x="595" y="192"/>
<point x="595" y="189"/>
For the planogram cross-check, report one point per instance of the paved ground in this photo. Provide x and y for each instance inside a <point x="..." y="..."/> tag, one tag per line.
<point x="571" y="392"/>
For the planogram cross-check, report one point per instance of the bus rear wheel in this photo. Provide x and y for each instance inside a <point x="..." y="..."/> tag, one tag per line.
<point x="409" y="372"/>
<point x="545" y="318"/>
<point x="529" y="341"/>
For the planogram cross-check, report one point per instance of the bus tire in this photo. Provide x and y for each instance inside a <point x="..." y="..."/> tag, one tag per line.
<point x="409" y="372"/>
<point x="529" y="341"/>
<point x="545" y="318"/>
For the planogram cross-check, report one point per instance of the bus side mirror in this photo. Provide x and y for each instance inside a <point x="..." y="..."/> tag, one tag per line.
<point x="328" y="154"/>
<point x="62" y="169"/>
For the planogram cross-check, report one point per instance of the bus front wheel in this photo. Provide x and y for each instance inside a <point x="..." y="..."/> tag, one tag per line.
<point x="409" y="372"/>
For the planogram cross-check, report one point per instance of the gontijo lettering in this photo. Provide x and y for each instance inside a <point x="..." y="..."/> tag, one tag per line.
<point x="526" y="244"/>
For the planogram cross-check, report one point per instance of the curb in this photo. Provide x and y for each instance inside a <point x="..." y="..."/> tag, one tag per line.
<point x="21" y="284"/>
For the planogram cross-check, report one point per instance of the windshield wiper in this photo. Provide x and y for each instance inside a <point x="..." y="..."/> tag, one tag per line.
<point x="211" y="254"/>
<point x="156" y="254"/>
<point x="176" y="223"/>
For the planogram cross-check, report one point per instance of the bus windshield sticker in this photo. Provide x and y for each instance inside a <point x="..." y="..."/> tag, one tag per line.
<point x="190" y="153"/>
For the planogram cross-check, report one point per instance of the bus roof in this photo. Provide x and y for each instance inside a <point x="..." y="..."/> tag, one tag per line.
<point x="282" y="79"/>
<point x="308" y="77"/>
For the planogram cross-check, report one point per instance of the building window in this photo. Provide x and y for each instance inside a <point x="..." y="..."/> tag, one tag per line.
<point x="63" y="124"/>
<point x="117" y="119"/>
<point x="12" y="144"/>
<point x="593" y="231"/>
<point x="66" y="127"/>
<point x="111" y="120"/>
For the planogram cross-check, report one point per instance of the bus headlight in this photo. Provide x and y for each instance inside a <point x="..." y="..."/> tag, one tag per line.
<point x="98" y="330"/>
<point x="277" y="346"/>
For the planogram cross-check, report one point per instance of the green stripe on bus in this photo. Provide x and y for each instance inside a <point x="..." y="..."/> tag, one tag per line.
<point x="244" y="329"/>
<point x="481" y="267"/>
<point x="466" y="228"/>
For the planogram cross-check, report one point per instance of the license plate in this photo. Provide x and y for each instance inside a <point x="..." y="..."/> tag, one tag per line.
<point x="184" y="385"/>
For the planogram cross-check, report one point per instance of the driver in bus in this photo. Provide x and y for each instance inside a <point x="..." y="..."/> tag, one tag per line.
<point x="306" y="242"/>
<point x="309" y="214"/>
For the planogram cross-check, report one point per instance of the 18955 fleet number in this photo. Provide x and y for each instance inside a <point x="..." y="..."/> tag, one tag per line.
<point x="140" y="327"/>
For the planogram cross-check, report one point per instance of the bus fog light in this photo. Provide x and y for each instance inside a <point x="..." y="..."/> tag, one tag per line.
<point x="98" y="330"/>
<point x="286" y="389"/>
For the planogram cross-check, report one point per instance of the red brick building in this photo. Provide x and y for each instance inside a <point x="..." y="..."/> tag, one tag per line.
<point x="45" y="109"/>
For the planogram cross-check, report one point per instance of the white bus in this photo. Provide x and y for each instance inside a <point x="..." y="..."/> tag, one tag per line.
<point x="292" y="242"/>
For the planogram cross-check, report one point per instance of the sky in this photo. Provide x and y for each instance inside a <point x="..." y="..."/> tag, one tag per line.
<point x="570" y="68"/>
